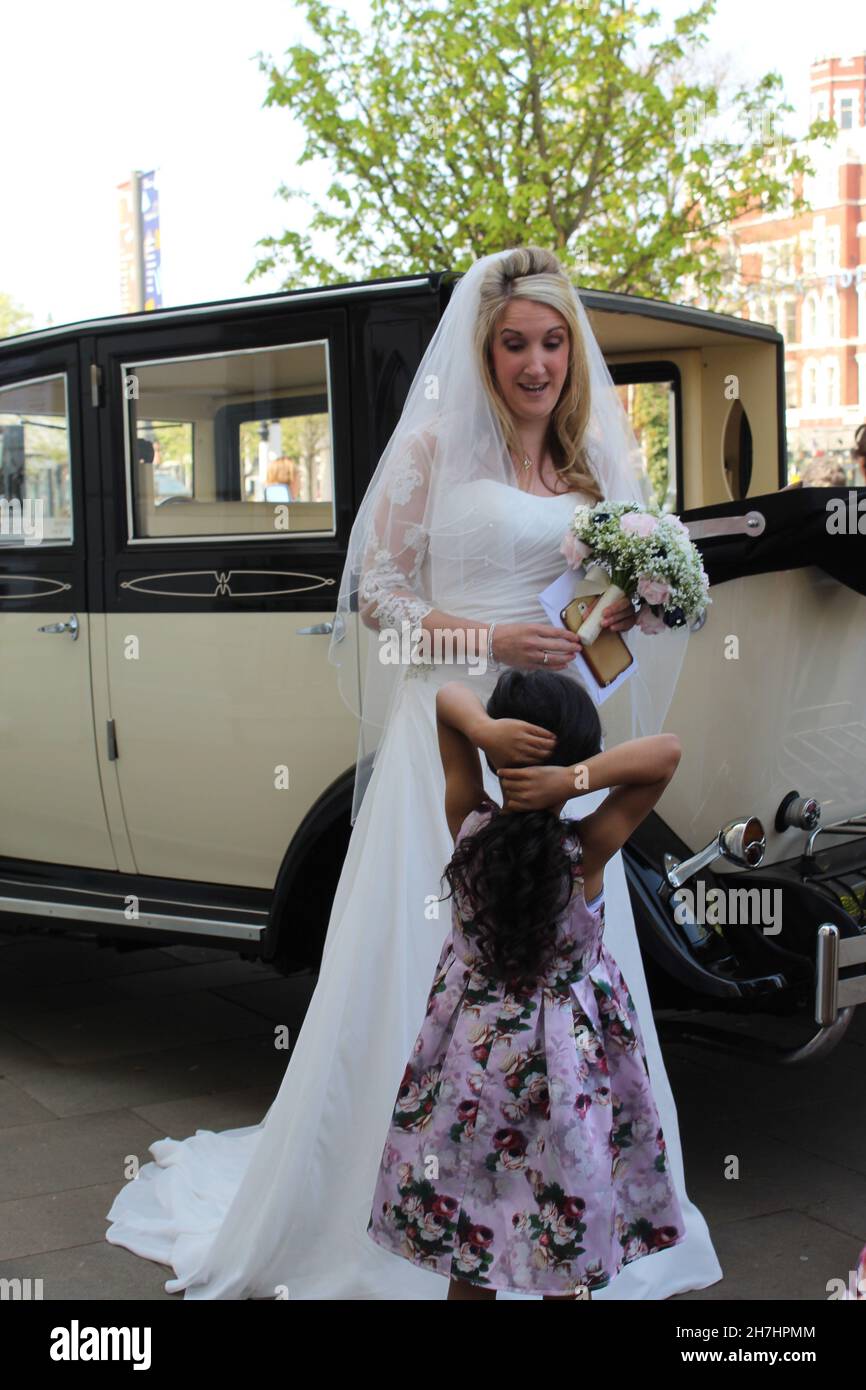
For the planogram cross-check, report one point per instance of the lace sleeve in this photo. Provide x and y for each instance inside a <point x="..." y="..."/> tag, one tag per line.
<point x="389" y="592"/>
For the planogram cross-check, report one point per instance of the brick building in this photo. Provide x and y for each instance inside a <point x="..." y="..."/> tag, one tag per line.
<point x="807" y="274"/>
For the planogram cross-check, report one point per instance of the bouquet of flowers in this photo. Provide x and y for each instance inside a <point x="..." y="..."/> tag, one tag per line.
<point x="644" y="554"/>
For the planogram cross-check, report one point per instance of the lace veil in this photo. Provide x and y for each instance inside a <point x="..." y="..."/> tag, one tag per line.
<point x="410" y="534"/>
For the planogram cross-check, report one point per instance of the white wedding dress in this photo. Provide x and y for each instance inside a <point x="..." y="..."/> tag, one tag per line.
<point x="280" y="1209"/>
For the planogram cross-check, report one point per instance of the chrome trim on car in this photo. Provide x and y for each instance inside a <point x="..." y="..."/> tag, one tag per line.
<point x="854" y="825"/>
<point x="751" y="523"/>
<point x="247" y="305"/>
<point x="742" y="841"/>
<point x="834" y="953"/>
<point x="117" y="916"/>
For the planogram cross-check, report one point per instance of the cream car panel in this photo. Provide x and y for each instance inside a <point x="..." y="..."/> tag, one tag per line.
<point x="744" y="372"/>
<point x="51" y="805"/>
<point x="788" y="712"/>
<point x="228" y="726"/>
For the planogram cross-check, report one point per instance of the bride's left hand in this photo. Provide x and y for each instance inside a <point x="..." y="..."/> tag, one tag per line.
<point x="619" y="616"/>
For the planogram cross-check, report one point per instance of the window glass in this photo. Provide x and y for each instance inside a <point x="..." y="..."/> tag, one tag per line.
<point x="168" y="446"/>
<point x="35" y="476"/>
<point x="650" y="406"/>
<point x="231" y="445"/>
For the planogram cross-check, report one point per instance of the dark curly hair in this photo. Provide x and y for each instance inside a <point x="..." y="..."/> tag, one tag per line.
<point x="514" y="870"/>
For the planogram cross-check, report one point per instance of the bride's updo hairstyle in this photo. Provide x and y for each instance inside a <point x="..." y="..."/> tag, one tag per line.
<point x="514" y="870"/>
<point x="531" y="272"/>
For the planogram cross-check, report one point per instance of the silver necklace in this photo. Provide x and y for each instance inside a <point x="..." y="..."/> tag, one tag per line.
<point x="527" y="464"/>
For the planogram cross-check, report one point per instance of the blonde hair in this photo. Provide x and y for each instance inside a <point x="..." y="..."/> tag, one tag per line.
<point x="282" y="470"/>
<point x="531" y="272"/>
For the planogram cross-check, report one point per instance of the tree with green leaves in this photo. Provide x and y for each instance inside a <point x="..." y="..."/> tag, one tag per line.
<point x="456" y="130"/>
<point x="14" y="318"/>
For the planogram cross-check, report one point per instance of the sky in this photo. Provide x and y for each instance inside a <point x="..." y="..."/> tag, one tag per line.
<point x="93" y="90"/>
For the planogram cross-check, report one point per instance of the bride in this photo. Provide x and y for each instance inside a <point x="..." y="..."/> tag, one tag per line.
<point x="510" y="421"/>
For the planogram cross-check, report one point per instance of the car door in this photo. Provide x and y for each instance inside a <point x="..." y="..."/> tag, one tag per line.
<point x="225" y="447"/>
<point x="51" y="802"/>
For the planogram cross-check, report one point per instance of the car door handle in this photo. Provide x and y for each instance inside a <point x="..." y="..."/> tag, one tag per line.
<point x="70" y="626"/>
<point x="324" y="628"/>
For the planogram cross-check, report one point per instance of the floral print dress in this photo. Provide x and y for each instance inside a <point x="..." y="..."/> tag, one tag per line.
<point x="524" y="1151"/>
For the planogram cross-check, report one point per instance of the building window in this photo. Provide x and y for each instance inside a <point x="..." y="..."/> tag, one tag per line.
<point x="792" y="388"/>
<point x="846" y="113"/>
<point x="831" y="382"/>
<point x="810" y="384"/>
<point x="831" y="314"/>
<point x="821" y="188"/>
<point x="810" y="317"/>
<point x="790" y="329"/>
<point x="809" y="253"/>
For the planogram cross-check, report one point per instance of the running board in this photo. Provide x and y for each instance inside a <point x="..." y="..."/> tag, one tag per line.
<point x="154" y="914"/>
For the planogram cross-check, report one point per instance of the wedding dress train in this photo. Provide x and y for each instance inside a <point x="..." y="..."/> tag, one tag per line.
<point x="280" y="1209"/>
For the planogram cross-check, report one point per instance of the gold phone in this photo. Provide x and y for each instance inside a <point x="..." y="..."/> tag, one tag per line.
<point x="608" y="656"/>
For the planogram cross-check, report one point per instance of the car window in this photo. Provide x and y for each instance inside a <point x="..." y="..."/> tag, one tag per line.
<point x="35" y="473"/>
<point x="650" y="396"/>
<point x="235" y="444"/>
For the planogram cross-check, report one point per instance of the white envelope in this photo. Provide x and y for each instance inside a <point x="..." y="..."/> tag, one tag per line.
<point x="556" y="597"/>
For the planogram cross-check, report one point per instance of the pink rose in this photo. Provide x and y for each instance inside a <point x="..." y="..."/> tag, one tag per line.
<point x="648" y="622"/>
<point x="575" y="551"/>
<point x="653" y="590"/>
<point x="638" y="523"/>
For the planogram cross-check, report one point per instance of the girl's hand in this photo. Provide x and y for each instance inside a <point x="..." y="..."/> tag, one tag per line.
<point x="514" y="741"/>
<point x="523" y="645"/>
<point x="618" y="617"/>
<point x="535" y="788"/>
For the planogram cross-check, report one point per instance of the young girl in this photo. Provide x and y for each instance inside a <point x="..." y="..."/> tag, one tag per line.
<point x="524" y="1151"/>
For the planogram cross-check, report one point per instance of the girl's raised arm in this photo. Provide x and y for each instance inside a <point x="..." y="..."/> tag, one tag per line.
<point x="459" y="720"/>
<point x="638" y="762"/>
<point x="641" y="773"/>
<point x="464" y="726"/>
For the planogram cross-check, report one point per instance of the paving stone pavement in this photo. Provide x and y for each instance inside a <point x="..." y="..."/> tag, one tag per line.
<point x="102" y="1052"/>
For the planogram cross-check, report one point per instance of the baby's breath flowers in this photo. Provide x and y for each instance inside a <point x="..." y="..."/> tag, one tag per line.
<point x="646" y="555"/>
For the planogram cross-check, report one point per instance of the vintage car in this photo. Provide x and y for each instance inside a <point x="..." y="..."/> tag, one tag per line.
<point x="177" y="763"/>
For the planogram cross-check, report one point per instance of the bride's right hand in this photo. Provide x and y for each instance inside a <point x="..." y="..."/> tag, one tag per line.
<point x="523" y="645"/>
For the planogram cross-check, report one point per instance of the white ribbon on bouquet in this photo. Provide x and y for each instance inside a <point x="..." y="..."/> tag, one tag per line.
<point x="582" y="583"/>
